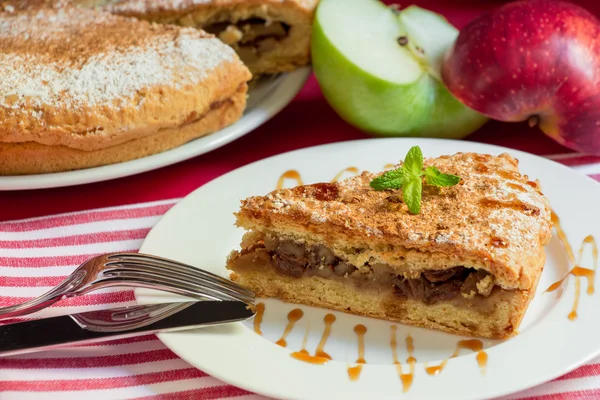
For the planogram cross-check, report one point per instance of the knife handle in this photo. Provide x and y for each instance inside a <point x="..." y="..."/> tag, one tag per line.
<point x="68" y="330"/>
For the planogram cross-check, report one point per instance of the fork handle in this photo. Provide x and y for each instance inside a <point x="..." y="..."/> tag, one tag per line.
<point x="46" y="300"/>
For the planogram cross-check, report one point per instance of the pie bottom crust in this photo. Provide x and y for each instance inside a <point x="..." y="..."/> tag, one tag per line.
<point x="35" y="158"/>
<point x="498" y="320"/>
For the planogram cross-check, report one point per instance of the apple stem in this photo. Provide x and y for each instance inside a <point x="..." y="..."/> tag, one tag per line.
<point x="533" y="121"/>
<point x="395" y="8"/>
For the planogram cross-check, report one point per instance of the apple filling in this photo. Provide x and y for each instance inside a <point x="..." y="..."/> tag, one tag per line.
<point x="431" y="286"/>
<point x="250" y="37"/>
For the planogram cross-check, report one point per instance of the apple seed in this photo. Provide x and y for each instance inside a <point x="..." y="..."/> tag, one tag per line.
<point x="403" y="41"/>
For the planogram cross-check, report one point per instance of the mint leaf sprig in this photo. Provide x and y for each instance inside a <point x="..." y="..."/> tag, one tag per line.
<point x="409" y="178"/>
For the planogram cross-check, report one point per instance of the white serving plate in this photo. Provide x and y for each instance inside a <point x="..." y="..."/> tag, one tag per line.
<point x="265" y="100"/>
<point x="200" y="231"/>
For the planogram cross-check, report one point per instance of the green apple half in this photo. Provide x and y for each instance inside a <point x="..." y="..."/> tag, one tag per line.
<point x="380" y="68"/>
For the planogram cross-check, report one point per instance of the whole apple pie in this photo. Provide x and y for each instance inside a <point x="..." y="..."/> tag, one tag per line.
<point x="468" y="263"/>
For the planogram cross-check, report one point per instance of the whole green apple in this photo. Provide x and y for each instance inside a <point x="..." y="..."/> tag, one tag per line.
<point x="380" y="69"/>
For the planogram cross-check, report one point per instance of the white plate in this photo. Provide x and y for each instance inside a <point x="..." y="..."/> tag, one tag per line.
<point x="200" y="231"/>
<point x="266" y="99"/>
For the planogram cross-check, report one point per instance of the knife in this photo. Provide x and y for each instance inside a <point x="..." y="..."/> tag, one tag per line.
<point x="116" y="323"/>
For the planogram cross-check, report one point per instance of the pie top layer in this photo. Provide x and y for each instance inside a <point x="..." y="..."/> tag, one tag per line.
<point x="144" y="7"/>
<point x="88" y="79"/>
<point x="495" y="219"/>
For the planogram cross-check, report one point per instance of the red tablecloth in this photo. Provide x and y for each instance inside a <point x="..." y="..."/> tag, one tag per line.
<point x="36" y="254"/>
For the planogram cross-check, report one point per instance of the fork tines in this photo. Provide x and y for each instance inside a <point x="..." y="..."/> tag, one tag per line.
<point x="150" y="270"/>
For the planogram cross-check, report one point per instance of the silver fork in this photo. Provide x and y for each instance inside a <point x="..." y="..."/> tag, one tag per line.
<point x="135" y="270"/>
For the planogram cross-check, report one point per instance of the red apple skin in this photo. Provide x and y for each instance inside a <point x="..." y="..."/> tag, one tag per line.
<point x="536" y="58"/>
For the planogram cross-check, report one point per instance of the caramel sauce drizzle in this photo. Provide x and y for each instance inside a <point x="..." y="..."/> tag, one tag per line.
<point x="509" y="174"/>
<point x="406" y="379"/>
<point x="410" y="348"/>
<point x="320" y="356"/>
<point x="305" y="338"/>
<point x="352" y="170"/>
<point x="393" y="344"/>
<point x="319" y="352"/>
<point x="291" y="174"/>
<point x="471" y="344"/>
<point x="516" y="187"/>
<point x="514" y="204"/>
<point x="563" y="237"/>
<point x="303" y="354"/>
<point x="533" y="184"/>
<point x="354" y="372"/>
<point x="481" y="168"/>
<point x="260" y="311"/>
<point x="293" y="317"/>
<point x="411" y="360"/>
<point x="360" y="331"/>
<point x="482" y="359"/>
<point x="498" y="242"/>
<point x="295" y="175"/>
<point x="577" y="271"/>
<point x="573" y="314"/>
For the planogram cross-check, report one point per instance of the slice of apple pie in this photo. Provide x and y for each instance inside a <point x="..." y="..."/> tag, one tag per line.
<point x="270" y="36"/>
<point x="468" y="263"/>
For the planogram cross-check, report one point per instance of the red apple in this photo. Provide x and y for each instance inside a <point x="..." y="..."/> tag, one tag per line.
<point x="536" y="60"/>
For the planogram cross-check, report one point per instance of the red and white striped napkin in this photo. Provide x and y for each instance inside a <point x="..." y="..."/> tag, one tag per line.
<point x="36" y="254"/>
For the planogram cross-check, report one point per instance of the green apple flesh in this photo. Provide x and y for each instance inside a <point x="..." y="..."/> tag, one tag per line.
<point x="380" y="69"/>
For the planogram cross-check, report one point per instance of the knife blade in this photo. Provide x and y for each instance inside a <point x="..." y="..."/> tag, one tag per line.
<point x="102" y="325"/>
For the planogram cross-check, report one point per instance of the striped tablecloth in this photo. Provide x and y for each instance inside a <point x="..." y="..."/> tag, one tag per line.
<point x="36" y="254"/>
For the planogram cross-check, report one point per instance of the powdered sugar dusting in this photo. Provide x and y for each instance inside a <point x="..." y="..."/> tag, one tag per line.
<point x="115" y="72"/>
<point x="318" y="217"/>
<point x="140" y="7"/>
<point x="143" y="6"/>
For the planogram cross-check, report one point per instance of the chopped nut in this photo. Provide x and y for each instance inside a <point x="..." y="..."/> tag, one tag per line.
<point x="231" y="35"/>
<point x="485" y="285"/>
